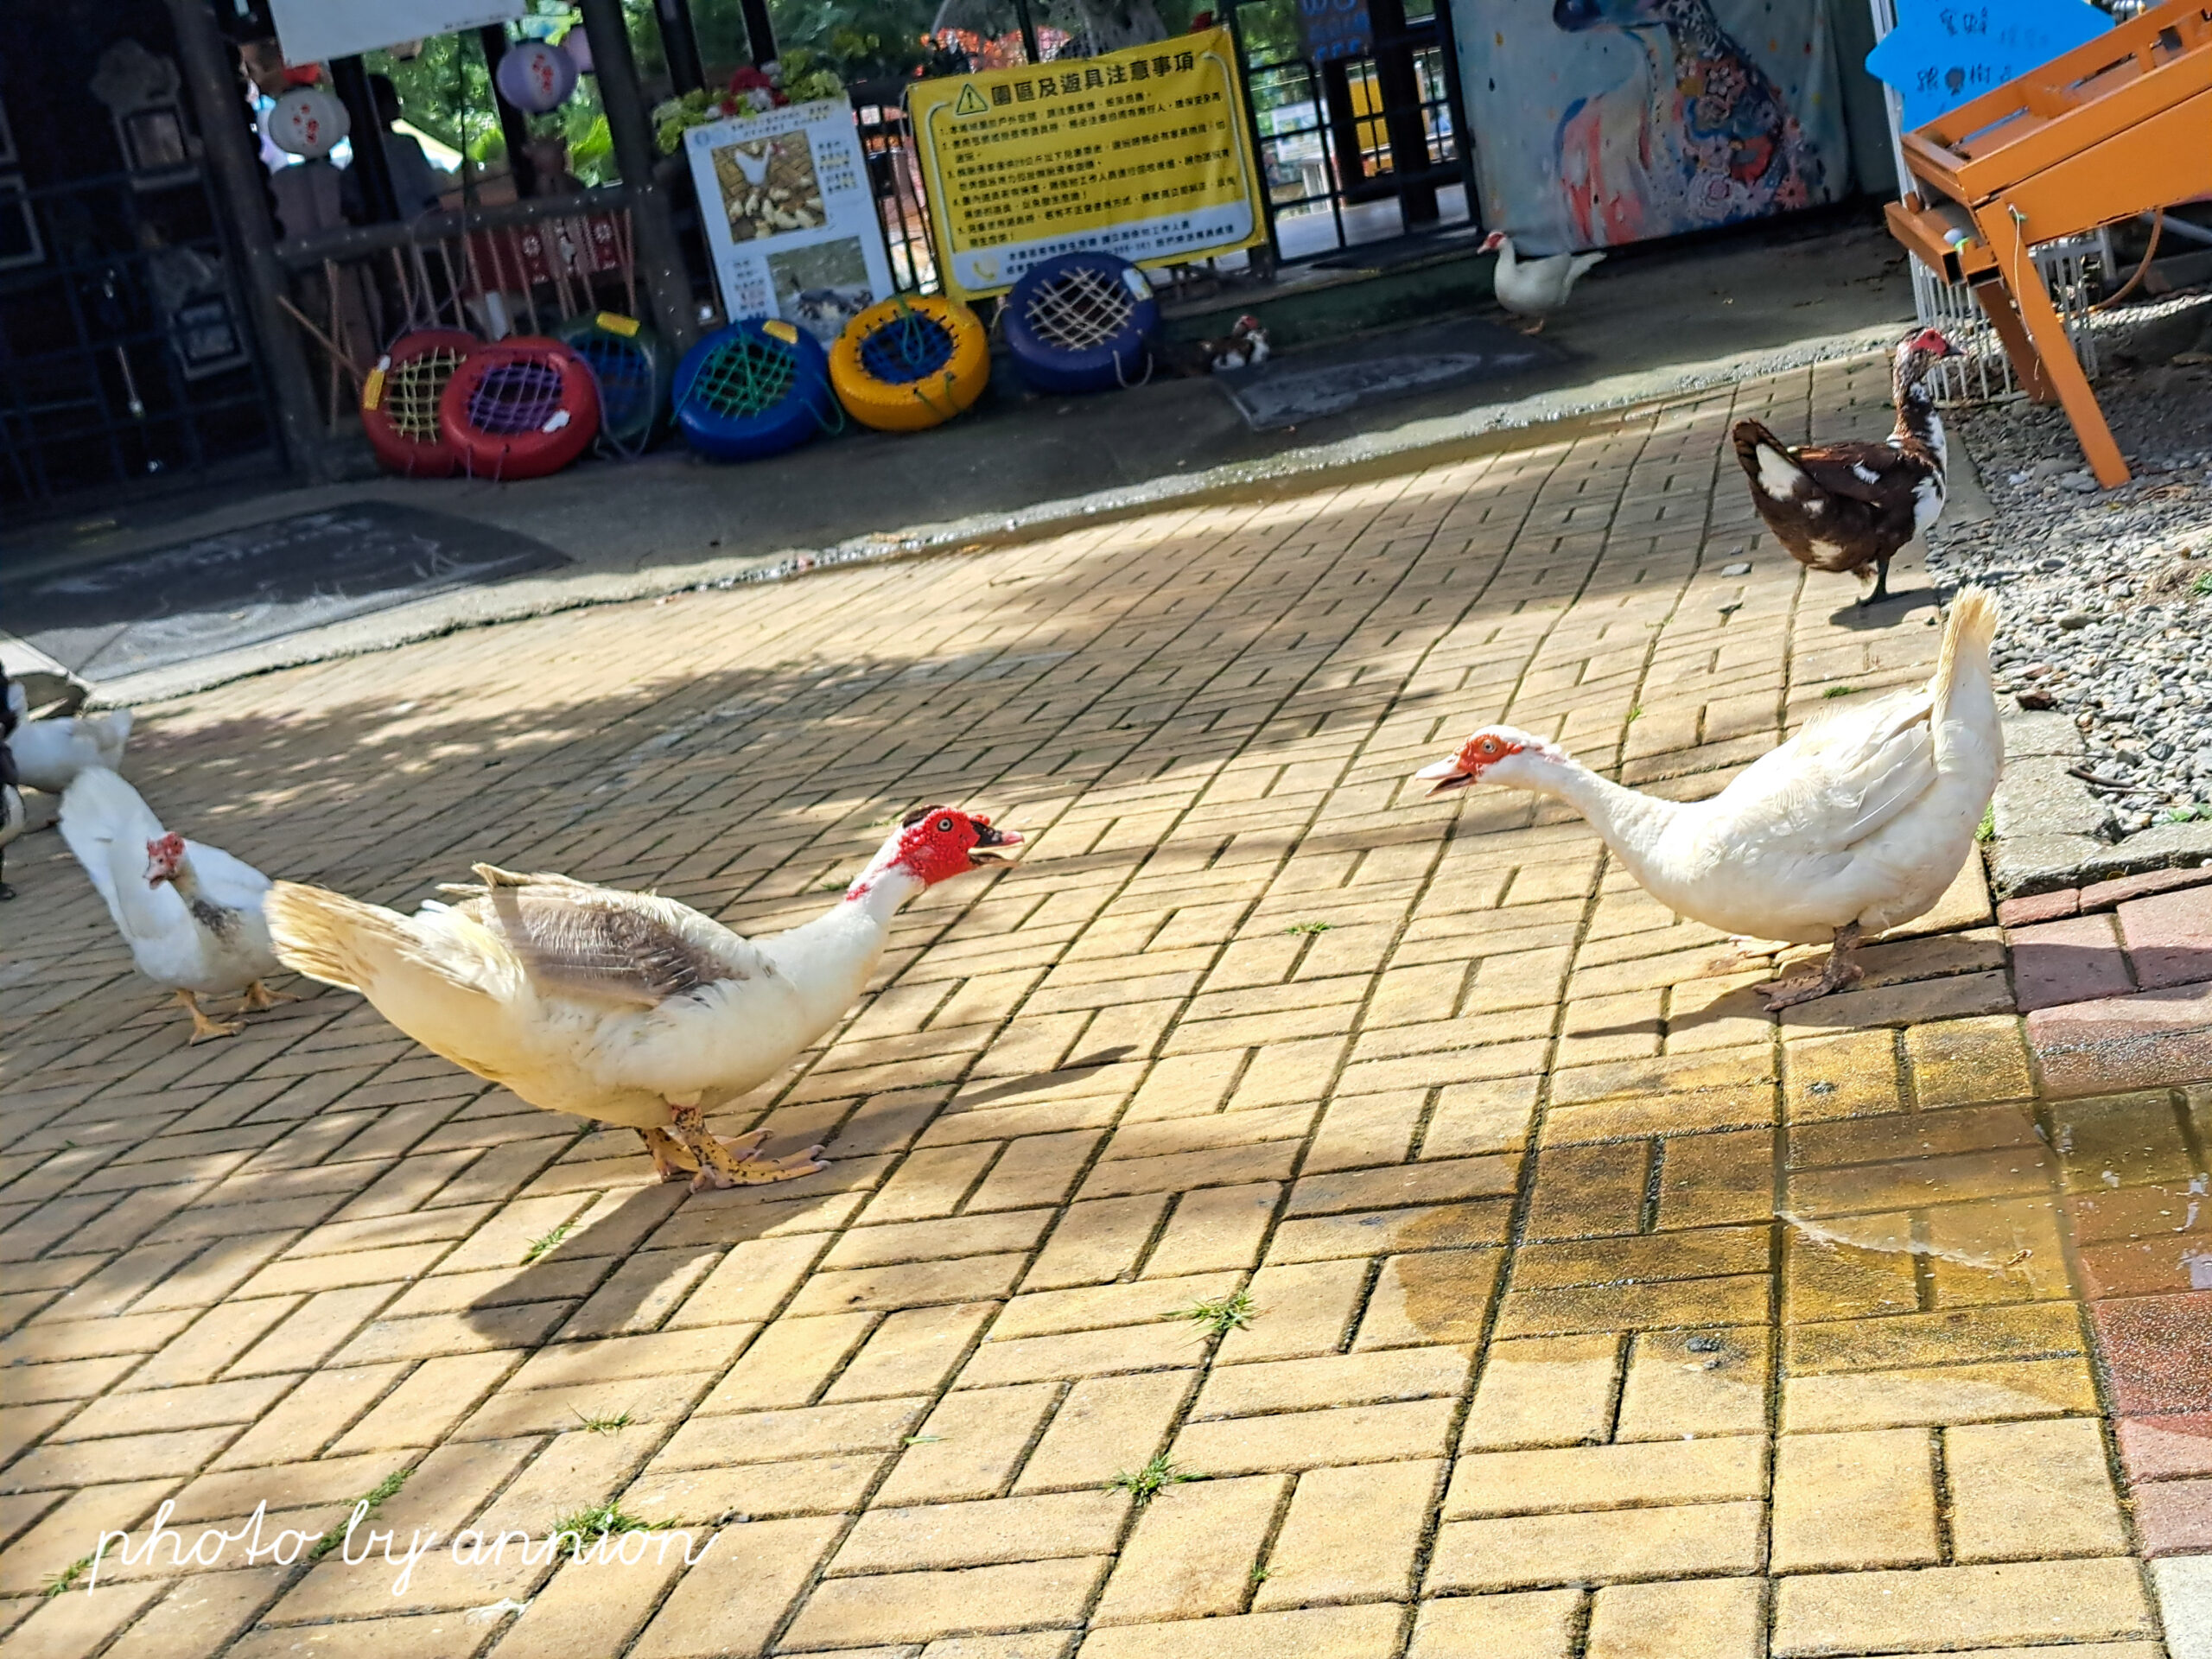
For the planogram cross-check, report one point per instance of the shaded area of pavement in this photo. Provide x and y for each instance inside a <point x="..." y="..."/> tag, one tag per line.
<point x="1771" y="297"/>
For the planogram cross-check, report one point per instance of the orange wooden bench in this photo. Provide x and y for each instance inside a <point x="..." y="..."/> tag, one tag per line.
<point x="2108" y="131"/>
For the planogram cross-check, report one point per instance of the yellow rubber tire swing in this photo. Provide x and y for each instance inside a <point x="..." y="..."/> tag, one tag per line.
<point x="911" y="363"/>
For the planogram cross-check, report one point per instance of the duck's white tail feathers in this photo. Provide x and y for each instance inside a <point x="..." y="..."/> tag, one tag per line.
<point x="1962" y="665"/>
<point x="329" y="937"/>
<point x="366" y="948"/>
<point x="1583" y="262"/>
<point x="106" y="825"/>
<point x="110" y="731"/>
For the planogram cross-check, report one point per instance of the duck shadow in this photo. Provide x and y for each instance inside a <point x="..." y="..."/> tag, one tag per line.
<point x="1890" y="611"/>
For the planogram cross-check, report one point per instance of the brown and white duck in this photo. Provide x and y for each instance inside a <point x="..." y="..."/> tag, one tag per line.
<point x="1849" y="507"/>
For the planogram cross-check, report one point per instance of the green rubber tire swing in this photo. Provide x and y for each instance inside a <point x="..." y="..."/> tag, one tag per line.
<point x="634" y="367"/>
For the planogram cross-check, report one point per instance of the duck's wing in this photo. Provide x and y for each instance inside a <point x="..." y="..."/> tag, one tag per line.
<point x="1839" y="780"/>
<point x="227" y="880"/>
<point x="1873" y="472"/>
<point x="603" y="944"/>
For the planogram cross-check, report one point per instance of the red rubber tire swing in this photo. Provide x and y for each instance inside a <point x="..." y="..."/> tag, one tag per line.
<point x="400" y="401"/>
<point x="522" y="408"/>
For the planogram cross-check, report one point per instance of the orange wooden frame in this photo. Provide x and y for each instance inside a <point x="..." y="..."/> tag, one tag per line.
<point x="2104" y="132"/>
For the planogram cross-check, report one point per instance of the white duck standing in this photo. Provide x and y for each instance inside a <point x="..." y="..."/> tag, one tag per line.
<point x="1857" y="823"/>
<point x="190" y="913"/>
<point x="623" y="1007"/>
<point x="1534" y="288"/>
<point x="50" y="752"/>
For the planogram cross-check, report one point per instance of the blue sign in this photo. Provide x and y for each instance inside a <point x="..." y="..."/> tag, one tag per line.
<point x="1335" y="29"/>
<point x="1943" y="55"/>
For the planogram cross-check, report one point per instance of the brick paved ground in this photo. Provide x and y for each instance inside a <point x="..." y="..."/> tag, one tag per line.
<point x="1597" y="1315"/>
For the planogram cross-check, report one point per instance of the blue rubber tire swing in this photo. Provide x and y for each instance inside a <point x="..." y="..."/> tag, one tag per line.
<point x="756" y="388"/>
<point x="1081" y="322"/>
<point x="633" y="367"/>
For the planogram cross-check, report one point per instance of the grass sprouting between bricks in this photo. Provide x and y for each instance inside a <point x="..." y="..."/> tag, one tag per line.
<point x="1986" y="830"/>
<point x="58" y="1582"/>
<point x="1221" y="1315"/>
<point x="541" y="1244"/>
<point x="592" y="1524"/>
<point x="1840" y="691"/>
<point x="1146" y="1484"/>
<point x="373" y="1497"/>
<point x="1309" y="928"/>
<point x="603" y="1425"/>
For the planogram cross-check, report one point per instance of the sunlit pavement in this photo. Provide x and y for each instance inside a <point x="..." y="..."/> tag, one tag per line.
<point x="1590" y="1311"/>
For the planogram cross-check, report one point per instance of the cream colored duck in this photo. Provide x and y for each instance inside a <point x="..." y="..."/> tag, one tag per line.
<point x="623" y="1007"/>
<point x="191" y="913"/>
<point x="1857" y="823"/>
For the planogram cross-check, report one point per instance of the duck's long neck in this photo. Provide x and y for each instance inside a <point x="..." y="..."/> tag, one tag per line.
<point x="1630" y="823"/>
<point x="1917" y="415"/>
<point x="829" y="959"/>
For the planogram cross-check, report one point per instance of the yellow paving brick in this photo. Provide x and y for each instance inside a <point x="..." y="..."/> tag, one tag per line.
<point x="788" y="1362"/>
<point x="1431" y="1296"/>
<point x="1082" y="1353"/>
<point x="1724" y="1618"/>
<point x="1963" y="1062"/>
<point x="916" y="1348"/>
<point x="1096" y="1241"/>
<point x="1351" y="1534"/>
<point x="436" y="1396"/>
<point x="913" y="1284"/>
<point x="983" y="1534"/>
<point x="1856" y="1500"/>
<point x="770" y="1436"/>
<point x="1345" y="1380"/>
<point x="1319" y="1633"/>
<point x="1543" y="1391"/>
<point x="1849" y="1074"/>
<point x="1701" y="1383"/>
<point x="1193" y="1551"/>
<point x="969" y="1446"/>
<point x="918" y="1606"/>
<point x="590" y="1606"/>
<point x="1607" y="1546"/>
<point x="2024" y="1491"/>
<point x="737" y="1591"/>
<point x="1106" y="1425"/>
<point x="1213" y="1229"/>
<point x="1341" y="1434"/>
<point x="1479" y="1117"/>
<point x="1297" y="1311"/>
<point x="1947" y="1394"/>
<point x="809" y="1485"/>
<point x="1530" y="1625"/>
<point x="1981" y="1606"/>
<point x="1097" y="1307"/>
<point x="1606" y="1477"/>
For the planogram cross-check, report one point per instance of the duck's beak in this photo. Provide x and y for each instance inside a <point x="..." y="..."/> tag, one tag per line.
<point x="1445" y="776"/>
<point x="993" y="846"/>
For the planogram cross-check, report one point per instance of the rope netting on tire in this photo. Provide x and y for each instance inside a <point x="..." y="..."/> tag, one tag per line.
<point x="629" y="387"/>
<point x="411" y="390"/>
<point x="514" y="398"/>
<point x="1079" y="309"/>
<point x="744" y="375"/>
<point x="909" y="347"/>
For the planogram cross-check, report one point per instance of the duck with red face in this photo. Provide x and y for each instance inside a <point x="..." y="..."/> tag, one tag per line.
<point x="623" y="1006"/>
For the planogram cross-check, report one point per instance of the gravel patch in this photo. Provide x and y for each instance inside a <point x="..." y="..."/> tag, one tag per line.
<point x="2107" y="594"/>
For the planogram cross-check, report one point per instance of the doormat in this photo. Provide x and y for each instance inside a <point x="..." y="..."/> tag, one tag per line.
<point x="1303" y="386"/>
<point x="196" y="598"/>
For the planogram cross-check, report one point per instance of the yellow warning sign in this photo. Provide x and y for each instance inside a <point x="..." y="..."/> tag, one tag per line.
<point x="1145" y="153"/>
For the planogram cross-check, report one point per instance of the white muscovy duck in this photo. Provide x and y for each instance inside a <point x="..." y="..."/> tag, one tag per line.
<point x="50" y="752"/>
<point x="1534" y="288"/>
<point x="1857" y="823"/>
<point x="191" y="913"/>
<point x="623" y="1006"/>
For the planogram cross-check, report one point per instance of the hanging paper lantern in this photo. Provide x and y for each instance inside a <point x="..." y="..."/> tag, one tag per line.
<point x="535" y="76"/>
<point x="307" y="121"/>
<point x="577" y="45"/>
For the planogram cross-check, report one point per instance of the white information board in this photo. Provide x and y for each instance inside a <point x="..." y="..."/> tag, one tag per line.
<point x="785" y="199"/>
<point x="315" y="31"/>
